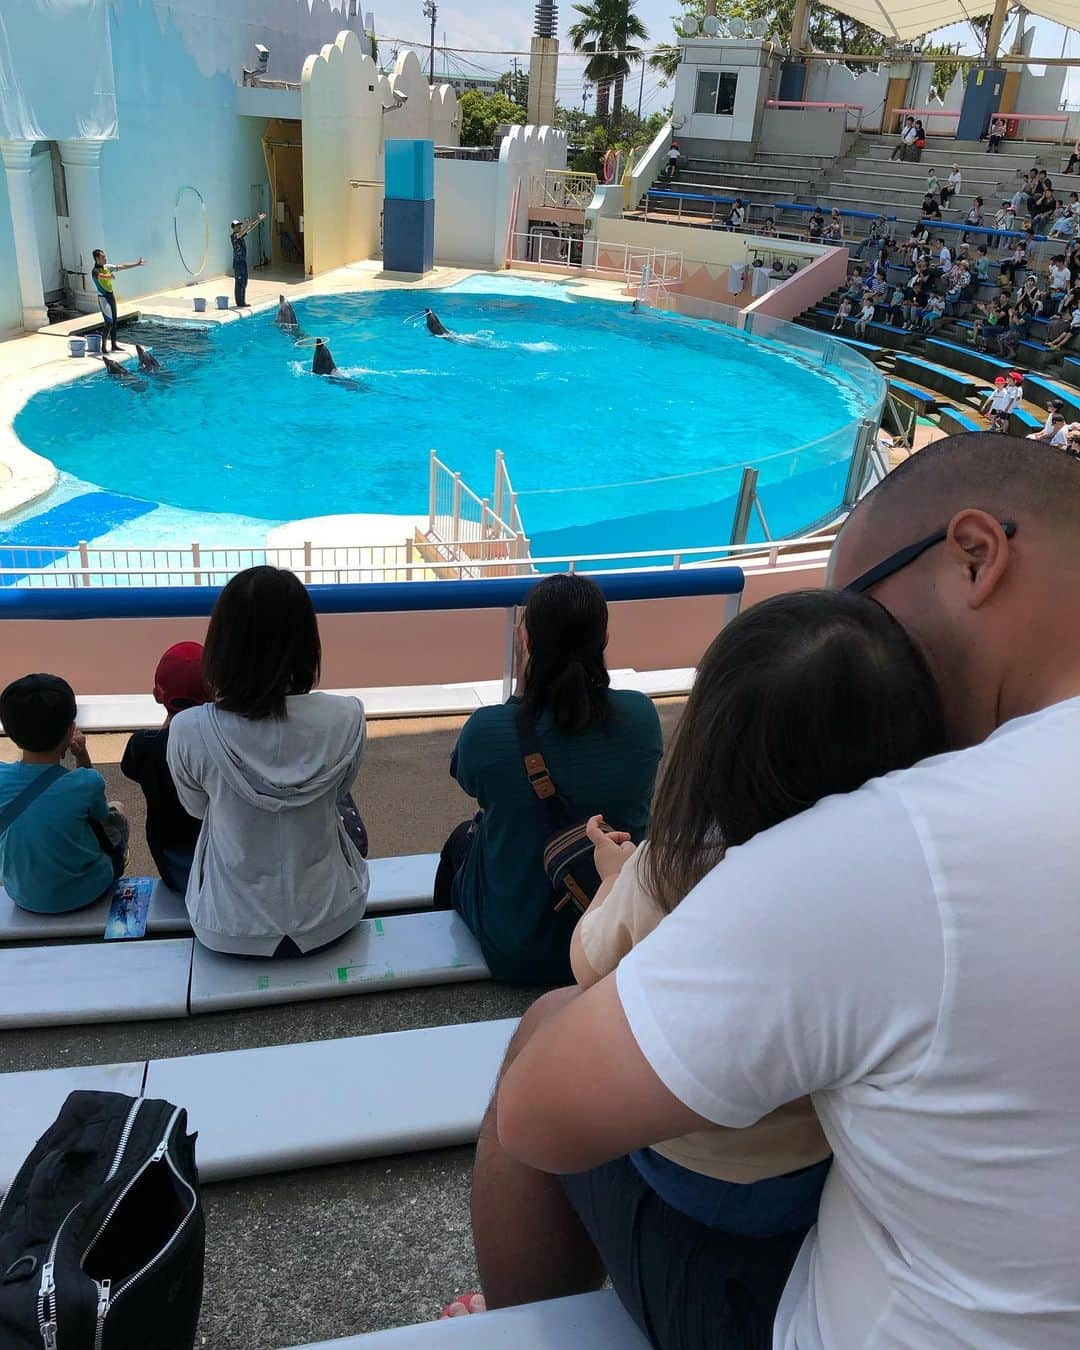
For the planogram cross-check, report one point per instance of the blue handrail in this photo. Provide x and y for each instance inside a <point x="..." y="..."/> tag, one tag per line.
<point x="380" y="597"/>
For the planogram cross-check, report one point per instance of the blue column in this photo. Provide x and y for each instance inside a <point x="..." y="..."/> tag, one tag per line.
<point x="409" y="207"/>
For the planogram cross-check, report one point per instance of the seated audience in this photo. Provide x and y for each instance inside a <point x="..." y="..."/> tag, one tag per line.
<point x="276" y="871"/>
<point x="871" y="952"/>
<point x="1004" y="217"/>
<point x="815" y="226"/>
<point x="1074" y="158"/>
<point x="918" y="144"/>
<point x="952" y="186"/>
<point x="995" y="135"/>
<point x="843" y="313"/>
<point x="1068" y="329"/>
<point x="170" y="832"/>
<point x="866" y="315"/>
<point x="834" y="230"/>
<point x="765" y="734"/>
<point x="907" y="139"/>
<point x="62" y="845"/>
<point x="601" y="748"/>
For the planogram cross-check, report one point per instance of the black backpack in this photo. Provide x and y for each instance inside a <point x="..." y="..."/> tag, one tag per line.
<point x="102" y="1232"/>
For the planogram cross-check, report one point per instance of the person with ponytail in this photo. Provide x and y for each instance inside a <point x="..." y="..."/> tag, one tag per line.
<point x="602" y="748"/>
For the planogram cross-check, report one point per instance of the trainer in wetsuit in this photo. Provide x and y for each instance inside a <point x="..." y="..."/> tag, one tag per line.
<point x="240" y="230"/>
<point x="103" y="275"/>
<point x="435" y="324"/>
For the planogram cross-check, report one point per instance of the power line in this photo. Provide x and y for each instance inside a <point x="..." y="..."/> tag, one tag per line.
<point x="506" y="51"/>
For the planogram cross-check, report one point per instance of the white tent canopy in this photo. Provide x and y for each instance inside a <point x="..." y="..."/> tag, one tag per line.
<point x="907" y="19"/>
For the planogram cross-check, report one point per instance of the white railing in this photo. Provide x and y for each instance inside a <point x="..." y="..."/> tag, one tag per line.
<point x="504" y="498"/>
<point x="562" y="250"/>
<point x="563" y="189"/>
<point x="463" y="528"/>
<point x="337" y="564"/>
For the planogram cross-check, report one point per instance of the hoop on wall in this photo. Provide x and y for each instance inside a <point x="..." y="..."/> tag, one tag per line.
<point x="192" y="272"/>
<point x="611" y="164"/>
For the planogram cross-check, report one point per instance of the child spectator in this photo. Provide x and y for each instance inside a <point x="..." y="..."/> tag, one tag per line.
<point x="673" y="157"/>
<point x="170" y="832"/>
<point x="896" y="306"/>
<point x="815" y="226"/>
<point x="842" y="316"/>
<point x="735" y="217"/>
<point x="769" y="228"/>
<point x="982" y="263"/>
<point x="802" y="696"/>
<point x="866" y="315"/>
<point x="62" y="845"/>
<point x="974" y="218"/>
<point x="834" y="231"/>
<point x="933" y="187"/>
<point x="999" y="404"/>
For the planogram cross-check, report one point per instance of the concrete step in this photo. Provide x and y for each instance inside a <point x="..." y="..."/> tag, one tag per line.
<point x="1006" y="162"/>
<point x="764" y="156"/>
<point x="872" y="171"/>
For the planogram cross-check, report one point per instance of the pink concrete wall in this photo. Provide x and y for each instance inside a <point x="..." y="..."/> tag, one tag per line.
<point x="118" y="656"/>
<point x="805" y="288"/>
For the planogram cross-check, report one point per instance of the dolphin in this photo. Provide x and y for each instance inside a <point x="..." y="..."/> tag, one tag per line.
<point x="147" y="360"/>
<point x="435" y="325"/>
<point x="115" y="368"/>
<point x="286" y="315"/>
<point x="322" y="363"/>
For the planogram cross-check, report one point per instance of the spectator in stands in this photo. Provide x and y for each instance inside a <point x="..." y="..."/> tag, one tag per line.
<point x="768" y="230"/>
<point x="926" y="1024"/>
<point x="866" y="315"/>
<point x="930" y="209"/>
<point x="834" y="230"/>
<point x="1004" y="217"/>
<point x="815" y="226"/>
<point x="264" y="765"/>
<point x="933" y="186"/>
<point x="1074" y="158"/>
<point x="601" y="748"/>
<point x="1072" y="442"/>
<point x="959" y="288"/>
<point x="735" y="217"/>
<point x="1059" y="275"/>
<point x="62" y="845"/>
<point x="673" y="157"/>
<point x="735" y="770"/>
<point x="1064" y="223"/>
<point x="896" y="306"/>
<point x="999" y="404"/>
<point x="1053" y="405"/>
<point x="933" y="313"/>
<point x="842" y="315"/>
<point x="875" y="237"/>
<point x="170" y="832"/>
<point x="982" y="264"/>
<point x="855" y="287"/>
<point x="952" y="186"/>
<point x="1066" y="330"/>
<point x="995" y="136"/>
<point x="1017" y="262"/>
<point x="944" y="256"/>
<point x="973" y="218"/>
<point x="918" y="144"/>
<point x="1043" y="210"/>
<point x="1012" y="334"/>
<point x="907" y="138"/>
<point x="1055" y="434"/>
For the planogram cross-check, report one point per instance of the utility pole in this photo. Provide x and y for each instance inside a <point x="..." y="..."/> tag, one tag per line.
<point x="514" y="80"/>
<point x="641" y="89"/>
<point x="431" y="12"/>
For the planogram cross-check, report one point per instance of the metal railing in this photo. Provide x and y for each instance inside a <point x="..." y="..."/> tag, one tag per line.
<point x="593" y="255"/>
<point x="463" y="528"/>
<point x="504" y="498"/>
<point x="562" y="189"/>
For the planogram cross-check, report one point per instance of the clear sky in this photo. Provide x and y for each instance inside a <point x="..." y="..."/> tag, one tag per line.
<point x="487" y="25"/>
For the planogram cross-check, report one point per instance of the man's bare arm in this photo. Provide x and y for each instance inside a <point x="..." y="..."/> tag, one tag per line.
<point x="581" y="1092"/>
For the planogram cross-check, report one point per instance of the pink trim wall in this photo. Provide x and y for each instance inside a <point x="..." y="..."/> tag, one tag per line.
<point x="805" y="288"/>
<point x="118" y="656"/>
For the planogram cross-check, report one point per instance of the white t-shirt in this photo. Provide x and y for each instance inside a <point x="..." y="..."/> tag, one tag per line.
<point x="1059" y="438"/>
<point x="1002" y="399"/>
<point x="955" y="180"/>
<point x="909" y="135"/>
<point x="945" y="259"/>
<point x="909" y="954"/>
<point x="1059" y="278"/>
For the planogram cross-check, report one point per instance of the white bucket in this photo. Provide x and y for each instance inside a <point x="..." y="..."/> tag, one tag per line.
<point x="77" y="346"/>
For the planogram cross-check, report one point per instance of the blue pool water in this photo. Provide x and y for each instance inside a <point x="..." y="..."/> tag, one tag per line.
<point x="620" y="430"/>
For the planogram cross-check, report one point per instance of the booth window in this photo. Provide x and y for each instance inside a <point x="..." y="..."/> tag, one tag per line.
<point x="716" y="92"/>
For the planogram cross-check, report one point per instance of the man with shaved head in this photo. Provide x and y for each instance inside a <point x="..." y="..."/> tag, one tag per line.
<point x="908" y="954"/>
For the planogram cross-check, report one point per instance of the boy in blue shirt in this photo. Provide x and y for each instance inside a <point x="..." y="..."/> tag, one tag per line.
<point x="62" y="846"/>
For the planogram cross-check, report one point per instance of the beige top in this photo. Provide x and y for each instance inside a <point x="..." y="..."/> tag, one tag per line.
<point x="783" y="1141"/>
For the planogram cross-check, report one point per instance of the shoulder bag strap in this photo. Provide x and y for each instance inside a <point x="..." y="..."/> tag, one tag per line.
<point x="550" y="804"/>
<point x="30" y="793"/>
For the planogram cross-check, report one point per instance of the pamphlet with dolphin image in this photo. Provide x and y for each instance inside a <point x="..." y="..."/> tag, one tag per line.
<point x="129" y="909"/>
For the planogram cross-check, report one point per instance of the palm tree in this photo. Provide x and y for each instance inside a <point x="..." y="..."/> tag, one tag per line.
<point x="605" y="33"/>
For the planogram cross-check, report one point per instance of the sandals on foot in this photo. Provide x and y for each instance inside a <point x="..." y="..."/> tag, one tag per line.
<point x="464" y="1305"/>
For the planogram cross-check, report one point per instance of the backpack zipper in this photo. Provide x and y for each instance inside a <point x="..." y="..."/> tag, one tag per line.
<point x="125" y="1135"/>
<point x="47" y="1290"/>
<point x="106" y="1298"/>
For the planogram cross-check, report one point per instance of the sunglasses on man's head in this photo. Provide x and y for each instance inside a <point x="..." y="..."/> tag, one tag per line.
<point x="895" y="562"/>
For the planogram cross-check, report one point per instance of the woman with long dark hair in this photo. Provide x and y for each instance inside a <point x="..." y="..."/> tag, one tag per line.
<point x="601" y="748"/>
<point x="267" y="766"/>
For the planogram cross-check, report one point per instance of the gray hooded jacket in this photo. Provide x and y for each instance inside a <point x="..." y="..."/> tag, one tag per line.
<point x="273" y="858"/>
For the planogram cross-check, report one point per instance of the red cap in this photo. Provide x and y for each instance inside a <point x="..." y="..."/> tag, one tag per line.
<point x="1015" y="375"/>
<point x="178" y="681"/>
<point x="1000" y="379"/>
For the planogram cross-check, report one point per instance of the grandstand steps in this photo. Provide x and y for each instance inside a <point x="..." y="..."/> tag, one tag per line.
<point x="944" y="150"/>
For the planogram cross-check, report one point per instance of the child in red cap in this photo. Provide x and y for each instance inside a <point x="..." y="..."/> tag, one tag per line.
<point x="1000" y="402"/>
<point x="170" y="832"/>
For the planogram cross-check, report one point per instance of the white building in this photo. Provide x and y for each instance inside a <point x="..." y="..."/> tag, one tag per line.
<point x="124" y="124"/>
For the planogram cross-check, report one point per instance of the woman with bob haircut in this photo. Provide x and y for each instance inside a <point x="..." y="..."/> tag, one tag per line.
<point x="264" y="765"/>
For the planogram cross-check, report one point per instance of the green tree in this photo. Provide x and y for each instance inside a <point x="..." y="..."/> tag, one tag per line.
<point x="480" y="115"/>
<point x="597" y="138"/>
<point x="515" y="85"/>
<point x="606" y="33"/>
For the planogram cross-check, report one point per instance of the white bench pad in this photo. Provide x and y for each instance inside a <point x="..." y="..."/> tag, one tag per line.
<point x="403" y="883"/>
<point x="31" y="1101"/>
<point x="290" y="1106"/>
<point x="106" y="982"/>
<point x="391" y="953"/>
<point x="588" y="1321"/>
<point x="167" y="915"/>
